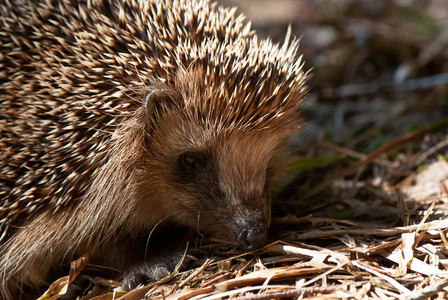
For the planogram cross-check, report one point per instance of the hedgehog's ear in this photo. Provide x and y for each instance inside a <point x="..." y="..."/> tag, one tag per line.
<point x="159" y="102"/>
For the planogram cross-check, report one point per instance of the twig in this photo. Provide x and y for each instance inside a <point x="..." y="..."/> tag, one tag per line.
<point x="351" y="153"/>
<point x="316" y="234"/>
<point x="392" y="281"/>
<point x="294" y="292"/>
<point x="427" y="292"/>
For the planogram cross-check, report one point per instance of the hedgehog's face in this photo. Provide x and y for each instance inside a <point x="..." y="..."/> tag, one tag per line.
<point x="213" y="179"/>
<point x="221" y="186"/>
<point x="228" y="188"/>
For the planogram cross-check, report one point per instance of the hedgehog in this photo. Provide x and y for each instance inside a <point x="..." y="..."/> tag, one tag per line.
<point x="117" y="115"/>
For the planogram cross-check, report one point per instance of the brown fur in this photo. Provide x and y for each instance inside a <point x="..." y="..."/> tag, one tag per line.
<point x="89" y="156"/>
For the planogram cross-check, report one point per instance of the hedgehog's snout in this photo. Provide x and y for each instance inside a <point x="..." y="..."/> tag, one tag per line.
<point x="252" y="234"/>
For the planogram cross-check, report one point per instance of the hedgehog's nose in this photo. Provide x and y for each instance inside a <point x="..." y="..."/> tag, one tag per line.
<point x="252" y="234"/>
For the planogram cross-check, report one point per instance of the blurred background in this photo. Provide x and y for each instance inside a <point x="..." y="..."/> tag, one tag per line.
<point x="378" y="107"/>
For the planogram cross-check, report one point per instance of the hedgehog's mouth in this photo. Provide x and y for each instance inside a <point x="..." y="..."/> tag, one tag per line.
<point x="245" y="234"/>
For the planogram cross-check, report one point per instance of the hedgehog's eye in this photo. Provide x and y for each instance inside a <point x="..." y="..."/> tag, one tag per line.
<point x="191" y="161"/>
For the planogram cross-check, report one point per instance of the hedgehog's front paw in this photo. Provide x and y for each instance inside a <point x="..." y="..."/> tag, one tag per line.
<point x="153" y="269"/>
